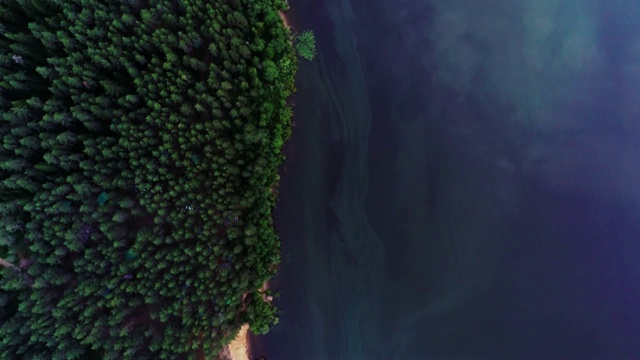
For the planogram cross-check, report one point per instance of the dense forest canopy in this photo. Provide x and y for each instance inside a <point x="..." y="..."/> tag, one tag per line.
<point x="138" y="168"/>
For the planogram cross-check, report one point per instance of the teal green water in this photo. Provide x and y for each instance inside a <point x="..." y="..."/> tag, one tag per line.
<point x="462" y="182"/>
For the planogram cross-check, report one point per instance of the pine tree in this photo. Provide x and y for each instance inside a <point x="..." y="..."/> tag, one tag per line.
<point x="140" y="144"/>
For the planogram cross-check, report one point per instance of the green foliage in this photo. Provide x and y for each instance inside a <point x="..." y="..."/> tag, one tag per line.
<point x="141" y="143"/>
<point x="305" y="43"/>
<point x="261" y="314"/>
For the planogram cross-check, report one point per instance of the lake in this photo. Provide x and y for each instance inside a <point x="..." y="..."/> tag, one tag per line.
<point x="463" y="182"/>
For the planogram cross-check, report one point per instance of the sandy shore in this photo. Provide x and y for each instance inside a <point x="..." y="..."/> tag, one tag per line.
<point x="283" y="16"/>
<point x="240" y="348"/>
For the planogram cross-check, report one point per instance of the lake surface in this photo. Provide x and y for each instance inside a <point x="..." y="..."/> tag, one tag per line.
<point x="463" y="181"/>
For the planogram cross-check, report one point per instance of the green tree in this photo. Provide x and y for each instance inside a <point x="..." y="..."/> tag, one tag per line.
<point x="131" y="223"/>
<point x="260" y="314"/>
<point x="305" y="43"/>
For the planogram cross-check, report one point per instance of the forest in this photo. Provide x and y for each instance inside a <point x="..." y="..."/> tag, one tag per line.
<point x="141" y="141"/>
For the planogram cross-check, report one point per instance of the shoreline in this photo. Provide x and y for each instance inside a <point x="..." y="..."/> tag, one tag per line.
<point x="240" y="347"/>
<point x="283" y="16"/>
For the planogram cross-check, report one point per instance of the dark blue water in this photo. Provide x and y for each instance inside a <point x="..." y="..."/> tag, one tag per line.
<point x="463" y="182"/>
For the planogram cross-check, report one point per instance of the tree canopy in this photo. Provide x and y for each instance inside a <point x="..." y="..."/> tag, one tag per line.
<point x="305" y="43"/>
<point x="138" y="173"/>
